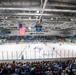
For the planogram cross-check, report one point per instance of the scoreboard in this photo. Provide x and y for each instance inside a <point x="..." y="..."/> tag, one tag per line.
<point x="38" y="28"/>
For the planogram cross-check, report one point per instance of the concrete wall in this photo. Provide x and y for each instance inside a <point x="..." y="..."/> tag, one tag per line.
<point x="32" y="60"/>
<point x="52" y="32"/>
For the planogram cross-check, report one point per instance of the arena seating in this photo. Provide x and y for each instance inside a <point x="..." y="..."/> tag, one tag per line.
<point x="66" y="67"/>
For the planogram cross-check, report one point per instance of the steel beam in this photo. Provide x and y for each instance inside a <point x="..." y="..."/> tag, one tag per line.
<point x="36" y="9"/>
<point x="43" y="10"/>
<point x="28" y="14"/>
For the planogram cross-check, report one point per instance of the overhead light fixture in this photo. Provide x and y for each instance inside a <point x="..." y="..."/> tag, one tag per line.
<point x="36" y="17"/>
<point x="51" y="18"/>
<point x="71" y="19"/>
<point x="29" y="18"/>
<point x="6" y="17"/>
<point x="8" y="24"/>
<point x="29" y="28"/>
<point x="37" y="11"/>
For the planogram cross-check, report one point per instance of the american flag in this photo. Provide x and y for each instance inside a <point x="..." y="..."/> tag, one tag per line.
<point x="22" y="29"/>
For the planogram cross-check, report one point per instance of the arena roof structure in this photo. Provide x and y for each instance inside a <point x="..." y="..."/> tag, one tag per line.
<point x="53" y="15"/>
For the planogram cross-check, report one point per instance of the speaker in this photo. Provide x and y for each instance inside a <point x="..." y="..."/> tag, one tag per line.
<point x="2" y="32"/>
<point x="5" y="32"/>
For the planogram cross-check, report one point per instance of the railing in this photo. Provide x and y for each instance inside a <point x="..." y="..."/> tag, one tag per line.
<point x="9" y="55"/>
<point x="35" y="51"/>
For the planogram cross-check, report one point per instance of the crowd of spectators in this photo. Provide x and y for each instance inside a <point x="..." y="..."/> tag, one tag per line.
<point x="53" y="39"/>
<point x="32" y="39"/>
<point x="67" y="67"/>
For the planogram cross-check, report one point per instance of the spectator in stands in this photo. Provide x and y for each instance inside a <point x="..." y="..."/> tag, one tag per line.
<point x="33" y="71"/>
<point x="5" y="71"/>
<point x="13" y="66"/>
<point x="64" y="72"/>
<point x="39" y="68"/>
<point x="22" y="57"/>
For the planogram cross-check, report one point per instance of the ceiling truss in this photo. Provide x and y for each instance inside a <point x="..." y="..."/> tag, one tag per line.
<point x="56" y="14"/>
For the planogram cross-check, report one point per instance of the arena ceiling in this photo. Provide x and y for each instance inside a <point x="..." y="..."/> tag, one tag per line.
<point x="55" y="14"/>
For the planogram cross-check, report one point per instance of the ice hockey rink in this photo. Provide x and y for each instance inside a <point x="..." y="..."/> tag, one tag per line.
<point x="37" y="50"/>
